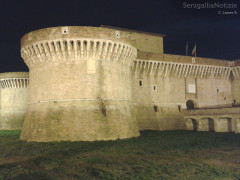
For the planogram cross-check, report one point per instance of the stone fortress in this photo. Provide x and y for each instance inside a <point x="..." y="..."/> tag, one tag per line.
<point x="106" y="83"/>
<point x="13" y="99"/>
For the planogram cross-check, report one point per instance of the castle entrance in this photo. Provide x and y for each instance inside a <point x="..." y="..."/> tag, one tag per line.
<point x="190" y="104"/>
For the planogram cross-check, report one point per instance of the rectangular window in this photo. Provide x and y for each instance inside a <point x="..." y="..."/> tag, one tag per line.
<point x="155" y="108"/>
<point x="192" y="88"/>
<point x="179" y="108"/>
<point x="140" y="83"/>
<point x="155" y="88"/>
<point x="193" y="60"/>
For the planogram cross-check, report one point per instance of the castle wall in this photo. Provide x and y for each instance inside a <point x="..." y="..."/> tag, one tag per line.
<point x="182" y="59"/>
<point x="144" y="42"/>
<point x="236" y="83"/>
<point x="13" y="99"/>
<point x="168" y="85"/>
<point x="165" y="99"/>
<point x="214" y="92"/>
<point x="80" y="88"/>
<point x="87" y="85"/>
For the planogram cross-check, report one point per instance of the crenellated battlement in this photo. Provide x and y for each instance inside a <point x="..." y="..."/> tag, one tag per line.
<point x="14" y="83"/>
<point x="164" y="68"/>
<point x="86" y="70"/>
<point x="14" y="80"/>
<point x="106" y="83"/>
<point x="14" y="88"/>
<point x="78" y="49"/>
<point x="236" y="72"/>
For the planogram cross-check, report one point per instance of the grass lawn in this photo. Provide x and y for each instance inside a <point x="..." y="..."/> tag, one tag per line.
<point x="154" y="155"/>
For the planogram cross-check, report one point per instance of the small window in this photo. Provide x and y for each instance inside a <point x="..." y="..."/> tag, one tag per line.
<point x="155" y="108"/>
<point x="217" y="90"/>
<point x="64" y="30"/>
<point x="234" y="101"/>
<point x="140" y="83"/>
<point x="117" y="34"/>
<point x="179" y="108"/>
<point x="154" y="88"/>
<point x="193" y="60"/>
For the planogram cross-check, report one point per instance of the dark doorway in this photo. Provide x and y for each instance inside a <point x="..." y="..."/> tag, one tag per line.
<point x="190" y="104"/>
<point x="211" y="124"/>
<point x="229" y="125"/>
<point x="195" y="125"/>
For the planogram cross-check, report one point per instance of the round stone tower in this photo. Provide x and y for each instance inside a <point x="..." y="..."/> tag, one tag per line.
<point x="80" y="86"/>
<point x="13" y="99"/>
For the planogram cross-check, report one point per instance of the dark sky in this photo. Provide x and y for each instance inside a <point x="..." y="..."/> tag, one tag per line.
<point x="217" y="36"/>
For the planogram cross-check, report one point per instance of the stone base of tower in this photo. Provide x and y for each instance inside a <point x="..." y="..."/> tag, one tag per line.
<point x="11" y="121"/>
<point x="13" y="106"/>
<point x="79" y="120"/>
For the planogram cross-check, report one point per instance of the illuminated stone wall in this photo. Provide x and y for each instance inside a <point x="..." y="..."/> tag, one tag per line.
<point x="13" y="99"/>
<point x="90" y="83"/>
<point x="80" y="86"/>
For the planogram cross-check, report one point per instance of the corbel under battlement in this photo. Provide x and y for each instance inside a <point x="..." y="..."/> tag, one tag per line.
<point x="14" y="83"/>
<point x="175" y="69"/>
<point x="77" y="49"/>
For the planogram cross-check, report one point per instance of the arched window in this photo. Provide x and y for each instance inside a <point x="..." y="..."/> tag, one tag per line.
<point x="190" y="104"/>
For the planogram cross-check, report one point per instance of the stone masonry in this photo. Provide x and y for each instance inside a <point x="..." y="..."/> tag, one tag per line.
<point x="105" y="83"/>
<point x="13" y="99"/>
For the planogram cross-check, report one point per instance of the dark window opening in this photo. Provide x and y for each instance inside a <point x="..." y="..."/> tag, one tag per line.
<point x="154" y="88"/>
<point x="140" y="83"/>
<point x="211" y="124"/>
<point x="190" y="104"/>
<point x="229" y="125"/>
<point x="234" y="104"/>
<point x="155" y="108"/>
<point x="217" y="90"/>
<point x="179" y="108"/>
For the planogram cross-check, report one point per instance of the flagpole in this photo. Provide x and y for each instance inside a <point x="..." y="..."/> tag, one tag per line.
<point x="187" y="49"/>
<point x="196" y="50"/>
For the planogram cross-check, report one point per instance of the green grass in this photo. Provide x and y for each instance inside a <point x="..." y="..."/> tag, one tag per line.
<point x="154" y="155"/>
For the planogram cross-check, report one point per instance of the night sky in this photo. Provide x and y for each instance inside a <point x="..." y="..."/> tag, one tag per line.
<point x="216" y="35"/>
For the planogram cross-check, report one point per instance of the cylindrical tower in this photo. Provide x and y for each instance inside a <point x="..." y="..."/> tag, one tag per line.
<point x="13" y="99"/>
<point x="80" y="86"/>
